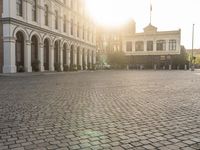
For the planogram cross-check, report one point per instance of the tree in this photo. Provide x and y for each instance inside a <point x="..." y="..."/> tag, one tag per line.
<point x="117" y="60"/>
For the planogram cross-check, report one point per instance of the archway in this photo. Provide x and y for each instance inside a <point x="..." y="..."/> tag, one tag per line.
<point x="19" y="52"/>
<point x="46" y="54"/>
<point x="34" y="53"/>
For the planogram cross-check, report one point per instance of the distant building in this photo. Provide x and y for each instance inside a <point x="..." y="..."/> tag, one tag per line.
<point x="151" y="48"/>
<point x="51" y="33"/>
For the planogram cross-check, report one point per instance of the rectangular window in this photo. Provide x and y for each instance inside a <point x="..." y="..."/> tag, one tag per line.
<point x="78" y="29"/>
<point x="129" y="46"/>
<point x="161" y="45"/>
<point x="34" y="11"/>
<point x="46" y="15"/>
<point x="72" y="27"/>
<point x="19" y="4"/>
<point x="172" y="44"/>
<point x="149" y="45"/>
<point x="64" y="23"/>
<point x="139" y="46"/>
<point x="56" y="19"/>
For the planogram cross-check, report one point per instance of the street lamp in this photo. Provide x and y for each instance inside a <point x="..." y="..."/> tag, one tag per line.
<point x="192" y="65"/>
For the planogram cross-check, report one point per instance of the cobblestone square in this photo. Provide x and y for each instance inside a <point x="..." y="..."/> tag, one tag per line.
<point x="111" y="110"/>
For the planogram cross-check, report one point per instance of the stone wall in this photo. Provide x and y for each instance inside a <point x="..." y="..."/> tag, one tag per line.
<point x="1" y="36"/>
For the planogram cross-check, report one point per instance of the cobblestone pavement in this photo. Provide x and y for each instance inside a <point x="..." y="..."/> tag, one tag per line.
<point x="112" y="110"/>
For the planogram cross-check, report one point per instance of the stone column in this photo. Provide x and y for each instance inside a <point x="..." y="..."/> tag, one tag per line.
<point x="41" y="56"/>
<point x="167" y="45"/>
<point x="75" y="56"/>
<point x="85" y="59"/>
<point x="90" y="60"/>
<point x="9" y="55"/>
<point x="27" y="57"/>
<point x="68" y="57"/>
<point x="80" y="59"/>
<point x="145" y="46"/>
<point x="94" y="57"/>
<point x="61" y="58"/>
<point x="51" y="58"/>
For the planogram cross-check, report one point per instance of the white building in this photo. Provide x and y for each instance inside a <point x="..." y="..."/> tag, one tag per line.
<point x="151" y="47"/>
<point x="55" y="34"/>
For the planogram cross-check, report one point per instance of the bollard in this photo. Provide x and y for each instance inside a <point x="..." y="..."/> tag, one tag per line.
<point x="163" y="67"/>
<point x="186" y="67"/>
<point x="170" y="67"/>
<point x="155" y="67"/>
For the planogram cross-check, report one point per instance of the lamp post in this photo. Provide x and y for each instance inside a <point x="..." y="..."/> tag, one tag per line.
<point x="192" y="65"/>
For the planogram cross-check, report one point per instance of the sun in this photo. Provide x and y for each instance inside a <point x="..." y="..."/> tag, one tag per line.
<point x="110" y="12"/>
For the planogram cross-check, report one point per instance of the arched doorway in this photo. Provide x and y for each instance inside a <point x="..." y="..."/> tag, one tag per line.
<point x="34" y="54"/>
<point x="56" y="56"/>
<point x="19" y="52"/>
<point x="46" y="54"/>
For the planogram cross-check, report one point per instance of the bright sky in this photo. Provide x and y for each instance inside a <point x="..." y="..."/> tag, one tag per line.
<point x="166" y="15"/>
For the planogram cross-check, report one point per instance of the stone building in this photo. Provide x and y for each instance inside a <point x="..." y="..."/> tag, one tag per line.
<point x="50" y="34"/>
<point x="151" y="48"/>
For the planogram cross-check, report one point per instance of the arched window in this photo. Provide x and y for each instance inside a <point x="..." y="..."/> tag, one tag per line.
<point x="46" y="15"/>
<point x="56" y="19"/>
<point x="19" y="7"/>
<point x="34" y="10"/>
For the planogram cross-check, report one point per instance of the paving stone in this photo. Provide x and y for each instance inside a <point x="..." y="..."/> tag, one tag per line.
<point x="100" y="110"/>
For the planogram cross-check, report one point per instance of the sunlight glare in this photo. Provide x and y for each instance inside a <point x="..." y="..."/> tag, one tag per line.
<point x="110" y="12"/>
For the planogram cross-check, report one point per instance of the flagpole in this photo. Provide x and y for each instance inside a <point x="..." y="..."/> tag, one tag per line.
<point x="150" y="11"/>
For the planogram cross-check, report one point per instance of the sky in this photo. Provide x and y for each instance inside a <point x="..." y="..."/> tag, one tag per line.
<point x="166" y="15"/>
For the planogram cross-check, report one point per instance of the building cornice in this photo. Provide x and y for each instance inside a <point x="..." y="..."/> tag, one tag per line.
<point x="40" y="29"/>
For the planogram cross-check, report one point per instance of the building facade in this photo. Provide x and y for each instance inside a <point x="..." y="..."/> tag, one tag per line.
<point x="46" y="35"/>
<point x="152" y="48"/>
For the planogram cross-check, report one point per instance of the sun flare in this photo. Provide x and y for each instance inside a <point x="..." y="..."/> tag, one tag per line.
<point x="110" y="12"/>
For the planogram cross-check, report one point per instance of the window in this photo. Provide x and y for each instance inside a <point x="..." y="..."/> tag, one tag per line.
<point x="172" y="44"/>
<point x="19" y="8"/>
<point x="72" y="26"/>
<point x="71" y="4"/>
<point x="129" y="46"/>
<point x="64" y="1"/>
<point x="83" y="32"/>
<point x="149" y="45"/>
<point x="161" y="45"/>
<point x="139" y="46"/>
<point x="46" y="15"/>
<point x="34" y="11"/>
<point x="56" y="19"/>
<point x="78" y="31"/>
<point x="88" y="34"/>
<point x="64" y="23"/>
